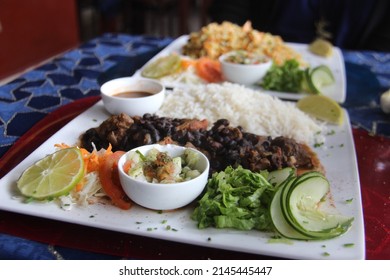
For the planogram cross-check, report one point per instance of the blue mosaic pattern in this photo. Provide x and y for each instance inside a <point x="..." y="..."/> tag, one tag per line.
<point x="368" y="76"/>
<point x="29" y="98"/>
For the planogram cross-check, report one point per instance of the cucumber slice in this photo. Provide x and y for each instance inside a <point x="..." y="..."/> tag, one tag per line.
<point x="302" y="203"/>
<point x="295" y="211"/>
<point x="319" y="77"/>
<point x="279" y="221"/>
<point x="278" y="218"/>
<point x="303" y="211"/>
<point x="322" y="76"/>
<point x="307" y="85"/>
<point x="277" y="177"/>
<point x="286" y="192"/>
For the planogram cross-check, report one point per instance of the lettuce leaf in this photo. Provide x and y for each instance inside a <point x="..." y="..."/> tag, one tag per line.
<point x="236" y="198"/>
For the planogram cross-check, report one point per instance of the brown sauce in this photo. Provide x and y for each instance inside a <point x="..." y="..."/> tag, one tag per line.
<point x="132" y="94"/>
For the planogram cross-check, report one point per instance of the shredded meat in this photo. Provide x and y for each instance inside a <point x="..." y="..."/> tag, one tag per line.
<point x="223" y="144"/>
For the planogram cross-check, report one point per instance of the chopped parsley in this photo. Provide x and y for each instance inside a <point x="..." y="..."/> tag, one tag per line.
<point x="317" y="145"/>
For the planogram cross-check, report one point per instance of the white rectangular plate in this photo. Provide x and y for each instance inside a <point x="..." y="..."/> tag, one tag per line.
<point x="338" y="158"/>
<point x="336" y="91"/>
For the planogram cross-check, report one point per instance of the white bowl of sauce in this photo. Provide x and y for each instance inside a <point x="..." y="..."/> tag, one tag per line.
<point x="132" y="96"/>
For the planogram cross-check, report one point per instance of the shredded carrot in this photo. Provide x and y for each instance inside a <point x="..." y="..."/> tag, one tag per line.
<point x="185" y="63"/>
<point x="80" y="186"/>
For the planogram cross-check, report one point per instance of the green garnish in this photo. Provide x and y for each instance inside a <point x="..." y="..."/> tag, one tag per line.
<point x="287" y="77"/>
<point x="236" y="198"/>
<point x="279" y="239"/>
<point x="317" y="145"/>
<point x="332" y="132"/>
<point x="143" y="158"/>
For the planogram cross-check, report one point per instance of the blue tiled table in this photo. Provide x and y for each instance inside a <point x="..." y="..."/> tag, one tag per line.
<point x="74" y="75"/>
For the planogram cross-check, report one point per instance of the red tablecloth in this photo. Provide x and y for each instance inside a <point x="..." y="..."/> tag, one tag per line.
<point x="373" y="153"/>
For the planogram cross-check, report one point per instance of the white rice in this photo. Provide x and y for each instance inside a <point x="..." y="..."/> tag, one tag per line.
<point x="255" y="111"/>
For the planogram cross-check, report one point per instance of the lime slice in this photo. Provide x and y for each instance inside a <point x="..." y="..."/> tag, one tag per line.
<point x="163" y="66"/>
<point x="319" y="77"/>
<point x="52" y="176"/>
<point x="321" y="47"/>
<point x="322" y="108"/>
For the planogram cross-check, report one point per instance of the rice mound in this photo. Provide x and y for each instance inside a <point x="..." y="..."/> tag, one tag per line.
<point x="253" y="110"/>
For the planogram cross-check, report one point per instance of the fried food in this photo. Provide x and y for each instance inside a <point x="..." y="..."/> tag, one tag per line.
<point x="216" y="39"/>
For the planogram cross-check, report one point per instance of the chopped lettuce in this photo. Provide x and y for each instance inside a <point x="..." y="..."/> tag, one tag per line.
<point x="236" y="198"/>
<point x="286" y="78"/>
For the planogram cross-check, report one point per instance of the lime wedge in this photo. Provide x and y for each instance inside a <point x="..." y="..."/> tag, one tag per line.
<point x="161" y="67"/>
<point x="321" y="47"/>
<point x="319" y="77"/>
<point x="322" y="108"/>
<point x="52" y="176"/>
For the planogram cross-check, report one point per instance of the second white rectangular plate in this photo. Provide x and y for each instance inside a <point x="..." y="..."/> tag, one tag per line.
<point x="336" y="91"/>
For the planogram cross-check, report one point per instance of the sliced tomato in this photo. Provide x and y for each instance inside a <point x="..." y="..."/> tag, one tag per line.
<point x="209" y="70"/>
<point x="109" y="178"/>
